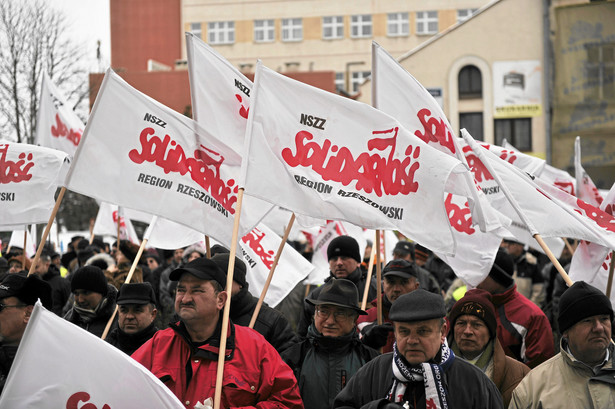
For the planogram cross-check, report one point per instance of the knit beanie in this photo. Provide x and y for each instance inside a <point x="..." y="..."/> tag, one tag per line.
<point x="344" y="246"/>
<point x="89" y="278"/>
<point x="476" y="302"/>
<point x="503" y="269"/>
<point x="580" y="301"/>
<point x="239" y="272"/>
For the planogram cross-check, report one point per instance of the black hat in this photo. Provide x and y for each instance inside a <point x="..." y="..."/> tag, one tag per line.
<point x="399" y="268"/>
<point x="344" y="246"/>
<point x="580" y="301"/>
<point x="129" y="250"/>
<point x="218" y="249"/>
<point x="476" y="302"/>
<point x="89" y="278"/>
<point x="202" y="268"/>
<point x="26" y="289"/>
<point x="239" y="272"/>
<point x="421" y="253"/>
<point x="404" y="247"/>
<point x="340" y="292"/>
<point x="418" y="305"/>
<point x="512" y="240"/>
<point x="503" y="269"/>
<point x="136" y="293"/>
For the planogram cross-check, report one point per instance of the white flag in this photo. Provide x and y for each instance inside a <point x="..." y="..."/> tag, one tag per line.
<point x="108" y="217"/>
<point x="57" y="125"/>
<point x="16" y="240"/>
<point x="165" y="234"/>
<point x="586" y="189"/>
<point x="591" y="261"/>
<point x="540" y="207"/>
<point x="96" y="373"/>
<point x="29" y="177"/>
<point x="139" y="154"/>
<point x="326" y="156"/>
<point x="399" y="94"/>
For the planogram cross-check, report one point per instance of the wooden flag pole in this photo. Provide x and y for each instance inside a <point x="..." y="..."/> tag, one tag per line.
<point x="554" y="260"/>
<point x="259" y="304"/>
<point x="384" y="248"/>
<point x="378" y="279"/>
<point x="39" y="250"/>
<point x="25" y="243"/>
<point x="609" y="283"/>
<point x="568" y="246"/>
<point x="207" y="247"/>
<point x="92" y="221"/>
<point x="307" y="290"/>
<point x="227" y="305"/>
<point x="128" y="278"/>
<point x="370" y="269"/>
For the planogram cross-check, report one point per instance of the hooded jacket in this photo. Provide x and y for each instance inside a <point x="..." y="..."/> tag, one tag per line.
<point x="104" y="311"/>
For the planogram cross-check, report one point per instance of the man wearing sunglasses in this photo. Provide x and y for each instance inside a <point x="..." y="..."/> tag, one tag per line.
<point x="18" y="295"/>
<point x="332" y="352"/>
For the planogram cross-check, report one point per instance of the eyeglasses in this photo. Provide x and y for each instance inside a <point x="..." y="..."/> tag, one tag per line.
<point x="338" y="315"/>
<point x="3" y="306"/>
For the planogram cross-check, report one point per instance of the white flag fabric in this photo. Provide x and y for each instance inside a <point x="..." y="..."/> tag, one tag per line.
<point x="57" y="126"/>
<point x="326" y="156"/>
<point x="106" y="223"/>
<point x="319" y="239"/>
<point x="257" y="250"/>
<point x="586" y="189"/>
<point x="140" y="154"/>
<point x="29" y="177"/>
<point x="97" y="374"/>
<point x="540" y="207"/>
<point x="17" y="241"/>
<point x="591" y="261"/>
<point x="165" y="234"/>
<point x="399" y="94"/>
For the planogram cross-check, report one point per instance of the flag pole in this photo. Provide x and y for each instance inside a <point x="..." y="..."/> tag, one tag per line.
<point x="609" y="283"/>
<point x="378" y="279"/>
<point x="39" y="250"/>
<point x="384" y="248"/>
<point x="307" y="290"/>
<point x="118" y="228"/>
<point x="207" y="247"/>
<point x="91" y="230"/>
<point x="259" y="304"/>
<point x="227" y="305"/>
<point x="513" y="202"/>
<point x="370" y="269"/>
<point x="128" y="278"/>
<point x="25" y="243"/>
<point x="568" y="246"/>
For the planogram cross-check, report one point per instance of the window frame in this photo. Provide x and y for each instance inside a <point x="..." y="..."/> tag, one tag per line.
<point x="523" y="146"/>
<point x="289" y="25"/>
<point x="360" y="23"/>
<point x="336" y="23"/>
<point x="221" y="32"/>
<point x="401" y="21"/>
<point x="265" y="30"/>
<point x="423" y="18"/>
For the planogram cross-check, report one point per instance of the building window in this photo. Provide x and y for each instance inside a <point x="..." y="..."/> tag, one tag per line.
<point x="292" y="29"/>
<point x="221" y="32"/>
<point x="464" y="14"/>
<point x="600" y="71"/>
<point x="361" y="26"/>
<point x="195" y="28"/>
<point x="516" y="131"/>
<point x="397" y="24"/>
<point x="426" y="22"/>
<point x="264" y="31"/>
<point x="340" y="85"/>
<point x="473" y="123"/>
<point x="470" y="83"/>
<point x="332" y="27"/>
<point x="357" y="79"/>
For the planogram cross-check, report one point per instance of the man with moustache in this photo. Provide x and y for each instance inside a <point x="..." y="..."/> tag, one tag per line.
<point x="582" y="375"/>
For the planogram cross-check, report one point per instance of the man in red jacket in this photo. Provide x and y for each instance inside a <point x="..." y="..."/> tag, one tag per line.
<point x="185" y="355"/>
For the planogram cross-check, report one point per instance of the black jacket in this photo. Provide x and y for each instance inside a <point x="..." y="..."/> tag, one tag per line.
<point x="270" y="323"/>
<point x="60" y="288"/>
<point x="97" y="325"/>
<point x="467" y="387"/>
<point x="358" y="277"/>
<point x="129" y="343"/>
<point x="324" y="365"/>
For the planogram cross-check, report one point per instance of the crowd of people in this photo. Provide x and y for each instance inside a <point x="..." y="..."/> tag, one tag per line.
<point x="521" y="339"/>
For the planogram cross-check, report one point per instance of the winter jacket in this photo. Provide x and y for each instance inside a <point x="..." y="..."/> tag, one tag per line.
<point x="365" y="321"/>
<point x="324" y="365"/>
<point x="358" y="277"/>
<point x="60" y="288"/>
<point x="129" y="343"/>
<point x="7" y="356"/>
<point x="564" y="382"/>
<point x="529" y="279"/>
<point x="254" y="373"/>
<point x="270" y="323"/>
<point x="97" y="325"/>
<point x="523" y="329"/>
<point x="504" y="371"/>
<point x="466" y="385"/>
